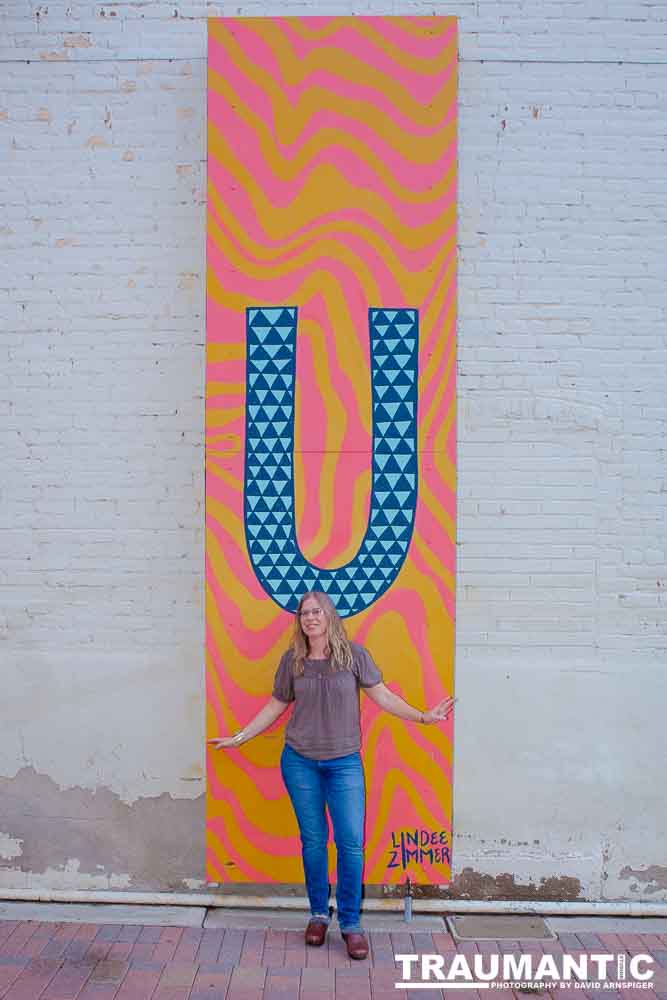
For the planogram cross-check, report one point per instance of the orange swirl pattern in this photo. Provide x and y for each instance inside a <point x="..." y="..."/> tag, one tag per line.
<point x="332" y="187"/>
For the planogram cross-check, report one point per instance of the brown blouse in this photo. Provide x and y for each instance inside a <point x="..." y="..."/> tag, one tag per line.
<point x="325" y="720"/>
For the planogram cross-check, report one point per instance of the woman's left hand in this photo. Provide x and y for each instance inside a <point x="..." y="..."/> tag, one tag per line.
<point x="439" y="712"/>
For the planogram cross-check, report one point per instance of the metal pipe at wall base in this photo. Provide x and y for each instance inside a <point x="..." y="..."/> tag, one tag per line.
<point x="620" y="908"/>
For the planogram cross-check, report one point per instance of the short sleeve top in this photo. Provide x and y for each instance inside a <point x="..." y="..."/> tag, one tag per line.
<point x="325" y="721"/>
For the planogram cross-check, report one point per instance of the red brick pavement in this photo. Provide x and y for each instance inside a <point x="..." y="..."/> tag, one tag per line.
<point x="53" y="961"/>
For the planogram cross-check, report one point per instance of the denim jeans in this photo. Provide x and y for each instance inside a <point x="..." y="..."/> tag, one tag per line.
<point x="338" y="784"/>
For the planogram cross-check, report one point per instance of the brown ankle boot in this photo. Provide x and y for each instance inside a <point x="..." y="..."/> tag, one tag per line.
<point x="316" y="931"/>
<point x="357" y="945"/>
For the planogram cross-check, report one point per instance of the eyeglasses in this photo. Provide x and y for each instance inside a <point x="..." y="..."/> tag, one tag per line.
<point x="315" y="612"/>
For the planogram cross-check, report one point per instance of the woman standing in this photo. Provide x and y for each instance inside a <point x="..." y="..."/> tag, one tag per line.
<point x="321" y="673"/>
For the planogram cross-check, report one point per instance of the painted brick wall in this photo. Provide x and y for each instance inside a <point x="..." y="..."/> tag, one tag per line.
<point x="562" y="628"/>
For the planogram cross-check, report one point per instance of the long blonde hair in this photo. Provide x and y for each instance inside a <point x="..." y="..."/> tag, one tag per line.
<point x="338" y="643"/>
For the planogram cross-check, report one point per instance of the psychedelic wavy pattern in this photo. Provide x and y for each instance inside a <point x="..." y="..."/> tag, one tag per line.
<point x="332" y="198"/>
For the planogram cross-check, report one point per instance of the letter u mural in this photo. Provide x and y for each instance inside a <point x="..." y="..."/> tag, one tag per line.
<point x="330" y="396"/>
<point x="269" y="480"/>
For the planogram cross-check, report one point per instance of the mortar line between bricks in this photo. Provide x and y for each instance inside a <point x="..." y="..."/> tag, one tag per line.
<point x="480" y="61"/>
<point x="569" y="62"/>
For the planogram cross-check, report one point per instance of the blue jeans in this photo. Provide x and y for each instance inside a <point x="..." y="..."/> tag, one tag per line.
<point x="338" y="784"/>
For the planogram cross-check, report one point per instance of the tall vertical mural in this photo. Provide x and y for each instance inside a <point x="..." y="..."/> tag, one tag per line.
<point x="330" y="437"/>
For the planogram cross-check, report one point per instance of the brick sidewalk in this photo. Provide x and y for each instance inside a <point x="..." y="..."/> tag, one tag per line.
<point x="67" y="961"/>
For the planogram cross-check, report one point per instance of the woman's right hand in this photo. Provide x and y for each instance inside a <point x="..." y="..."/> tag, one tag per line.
<point x="223" y="742"/>
<point x="264" y="718"/>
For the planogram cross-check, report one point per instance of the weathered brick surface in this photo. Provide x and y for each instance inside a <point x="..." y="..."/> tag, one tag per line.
<point x="25" y="978"/>
<point x="562" y="306"/>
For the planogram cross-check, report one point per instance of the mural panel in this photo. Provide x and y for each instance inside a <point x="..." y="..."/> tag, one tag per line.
<point x="330" y="447"/>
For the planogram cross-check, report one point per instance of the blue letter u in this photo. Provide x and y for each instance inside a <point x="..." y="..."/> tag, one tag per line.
<point x="270" y="528"/>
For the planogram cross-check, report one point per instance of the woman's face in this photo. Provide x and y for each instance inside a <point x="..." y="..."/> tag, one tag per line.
<point x="312" y="618"/>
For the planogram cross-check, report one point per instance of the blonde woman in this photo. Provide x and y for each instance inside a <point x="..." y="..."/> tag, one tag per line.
<point x="321" y="673"/>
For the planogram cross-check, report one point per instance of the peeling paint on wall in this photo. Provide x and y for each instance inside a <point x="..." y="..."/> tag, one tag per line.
<point x="469" y="884"/>
<point x="75" y="832"/>
<point x="654" y="877"/>
<point x="10" y="847"/>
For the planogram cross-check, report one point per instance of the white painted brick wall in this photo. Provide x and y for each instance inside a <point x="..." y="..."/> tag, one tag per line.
<point x="562" y="629"/>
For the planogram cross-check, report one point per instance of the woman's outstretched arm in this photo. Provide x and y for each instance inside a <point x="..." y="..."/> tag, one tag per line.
<point x="395" y="705"/>
<point x="264" y="718"/>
